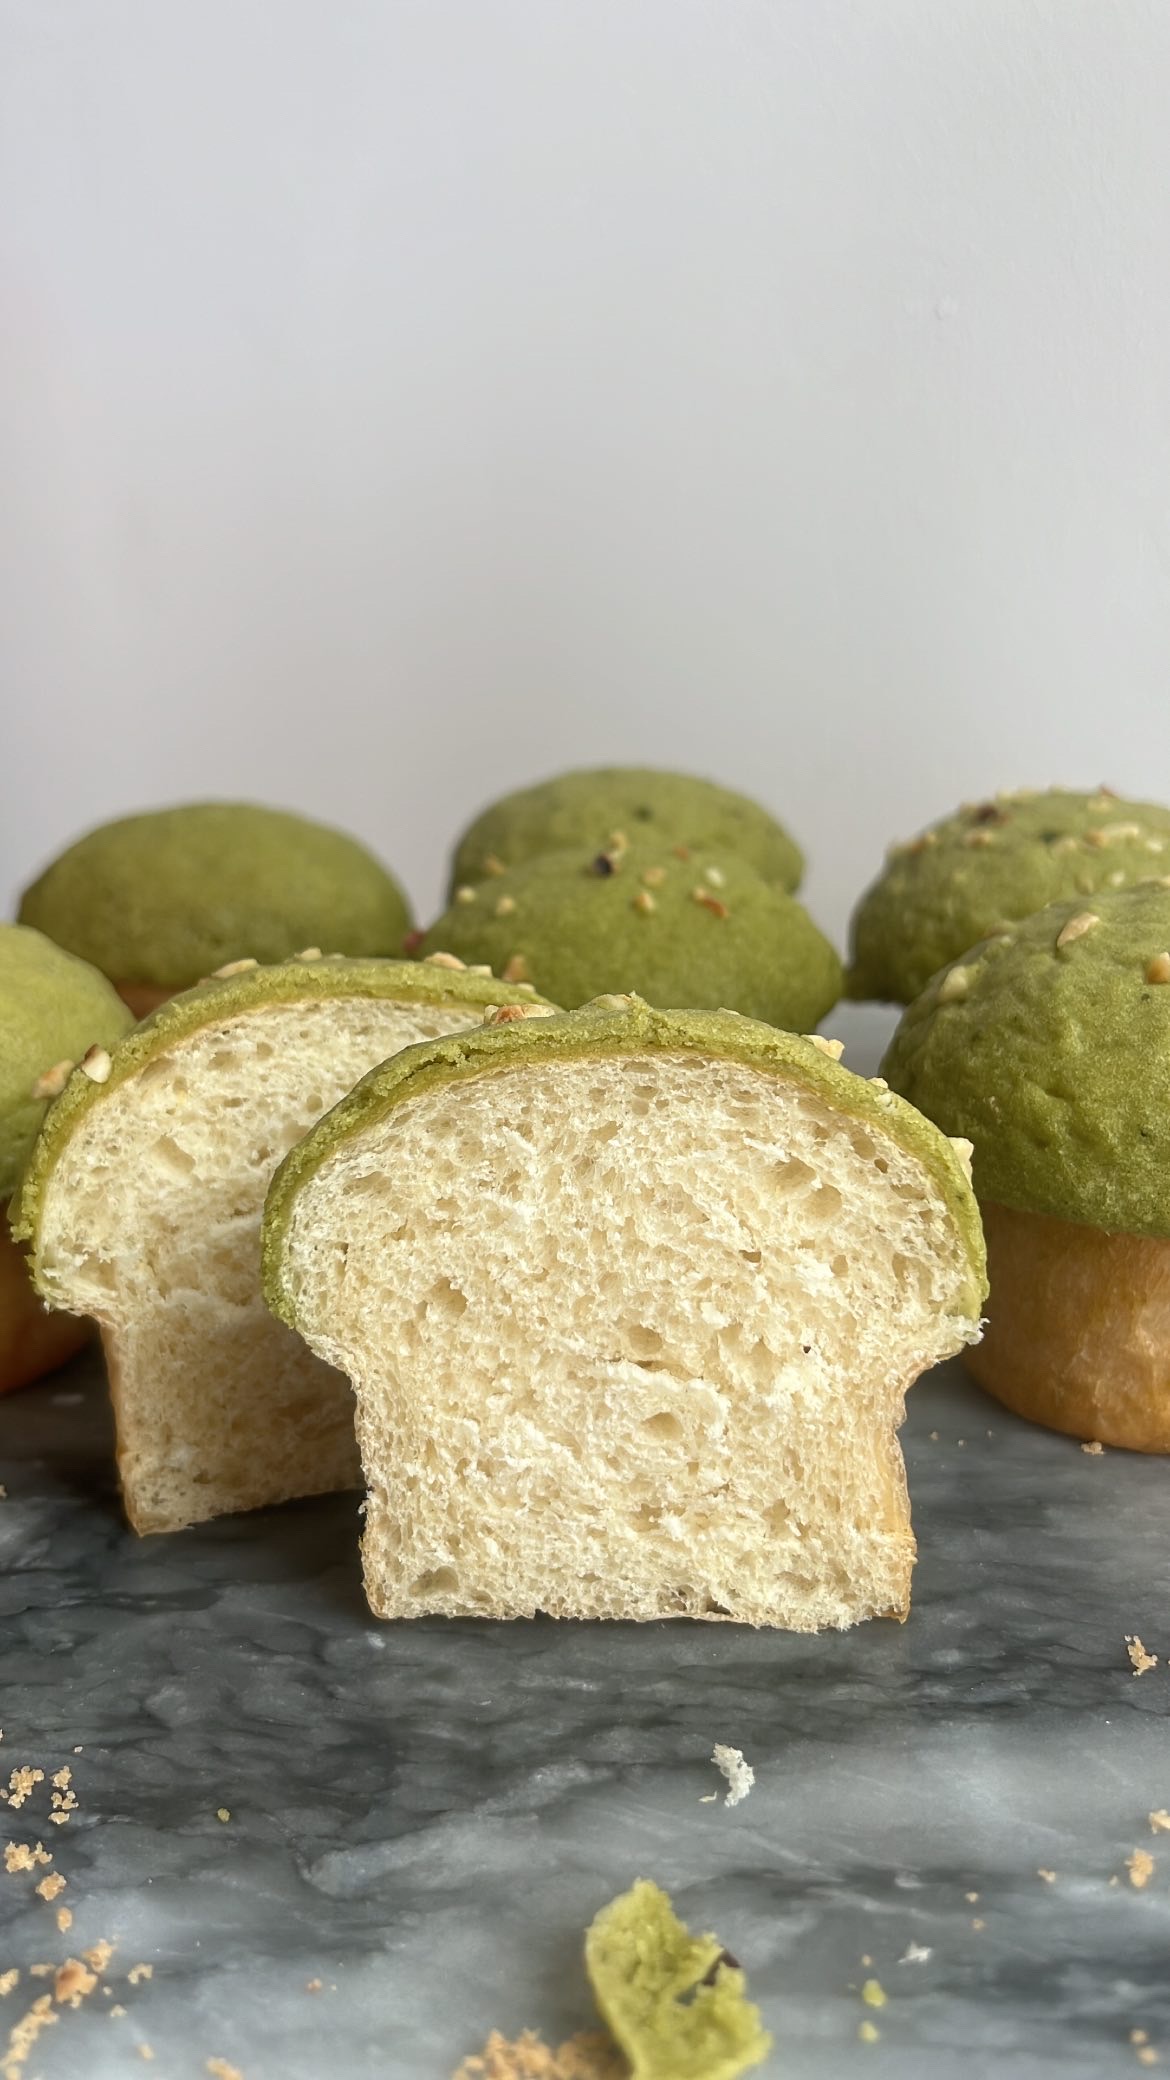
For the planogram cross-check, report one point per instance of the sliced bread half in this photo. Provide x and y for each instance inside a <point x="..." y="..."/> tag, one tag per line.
<point x="142" y="1203"/>
<point x="630" y="1300"/>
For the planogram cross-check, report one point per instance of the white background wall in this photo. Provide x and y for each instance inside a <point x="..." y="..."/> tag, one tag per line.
<point x="403" y="398"/>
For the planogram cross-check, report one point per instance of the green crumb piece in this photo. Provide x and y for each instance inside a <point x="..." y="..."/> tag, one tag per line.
<point x="636" y="804"/>
<point x="676" y="2003"/>
<point x="986" y="867"/>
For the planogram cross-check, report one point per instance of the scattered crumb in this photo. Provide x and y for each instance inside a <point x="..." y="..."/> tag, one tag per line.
<point x="62" y="1778"/>
<point x="874" y="1994"/>
<point x="934" y="1436"/>
<point x="22" y="1783"/>
<point x="972" y="1898"/>
<point x="3" y="1498"/>
<point x="1139" y="2036"/>
<point x="220" y="2070"/>
<point x="139" y="1971"/>
<point x="7" y="1981"/>
<point x="99" y="1956"/>
<point x="79" y="1751"/>
<point x="1138" y="1655"/>
<point x="18" y="1856"/>
<point x="1094" y="1448"/>
<point x="867" y="1961"/>
<point x="1146" y="2055"/>
<point x="144" y="2051"/>
<point x="222" y="1813"/>
<point x="23" y="2035"/>
<point x="41" y="1971"/>
<point x="916" y="1953"/>
<point x="1049" y="1877"/>
<point x="1160" y="1821"/>
<point x="116" y="2010"/>
<point x="709" y="1798"/>
<point x="979" y="1926"/>
<point x="740" y="1774"/>
<point x="312" y="1985"/>
<point x="50" y="1887"/>
<point x="73" y="1983"/>
<point x="586" y="2057"/>
<point x="64" y="1919"/>
<point x="869" y="2032"/>
<point x="1140" y="1867"/>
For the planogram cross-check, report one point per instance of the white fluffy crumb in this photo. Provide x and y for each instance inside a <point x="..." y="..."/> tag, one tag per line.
<point x="740" y="1774"/>
<point x="916" y="1953"/>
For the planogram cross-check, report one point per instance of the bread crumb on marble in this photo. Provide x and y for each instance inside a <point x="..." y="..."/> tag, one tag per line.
<point x="868" y="2032"/>
<point x="7" y="1981"/>
<point x="138" y="1972"/>
<point x="23" y="2035"/>
<point x="64" y="1919"/>
<point x="591" y="2056"/>
<point x="221" y="2070"/>
<point x="1138" y="1655"/>
<point x="874" y="1994"/>
<point x="1094" y="1448"/>
<point x="50" y="1887"/>
<point x="22" y="1856"/>
<point x="1049" y="1877"/>
<point x="21" y="1784"/>
<point x="916" y="1953"/>
<point x="1140" y="1867"/>
<point x="739" y="1774"/>
<point x="1160" y="1821"/>
<point x="73" y="1983"/>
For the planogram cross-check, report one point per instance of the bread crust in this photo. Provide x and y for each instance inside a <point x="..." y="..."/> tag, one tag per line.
<point x="32" y="1341"/>
<point x="1078" y="1332"/>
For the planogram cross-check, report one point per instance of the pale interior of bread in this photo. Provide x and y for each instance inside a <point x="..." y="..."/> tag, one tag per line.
<point x="630" y="1338"/>
<point x="151" y="1223"/>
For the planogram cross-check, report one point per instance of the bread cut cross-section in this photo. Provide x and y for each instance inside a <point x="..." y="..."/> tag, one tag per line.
<point x="630" y="1301"/>
<point x="143" y="1201"/>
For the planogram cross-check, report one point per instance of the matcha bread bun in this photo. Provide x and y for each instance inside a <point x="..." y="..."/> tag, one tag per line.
<point x="630" y="1300"/>
<point x="142" y="1204"/>
<point x="53" y="1010"/>
<point x="584" y="811"/>
<point x="993" y="863"/>
<point x="158" y="901"/>
<point x="677" y="926"/>
<point x="1048" y="1047"/>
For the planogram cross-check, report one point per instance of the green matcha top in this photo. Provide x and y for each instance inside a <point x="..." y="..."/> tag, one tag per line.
<point x="992" y="863"/>
<point x="52" y="1009"/>
<point x="616" y="1026"/>
<point x="1049" y="1049"/>
<point x="251" y="988"/>
<point x="703" y="930"/>
<point x="676" y="2003"/>
<point x="167" y="897"/>
<point x="583" y="811"/>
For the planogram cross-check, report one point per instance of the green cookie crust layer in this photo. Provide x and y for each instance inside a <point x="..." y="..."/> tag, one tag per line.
<point x="702" y="931"/>
<point x="52" y="1008"/>
<point x="1054" y="1060"/>
<point x="584" y="809"/>
<point x="252" y="988"/>
<point x="597" y="1030"/>
<point x="675" y="2003"/>
<point x="990" y="864"/>
<point x="168" y="896"/>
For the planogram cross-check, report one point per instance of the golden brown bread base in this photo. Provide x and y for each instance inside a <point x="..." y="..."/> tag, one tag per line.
<point x="146" y="996"/>
<point x="1078" y="1334"/>
<point x="32" y="1341"/>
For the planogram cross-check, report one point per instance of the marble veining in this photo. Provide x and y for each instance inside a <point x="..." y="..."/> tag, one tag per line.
<point x="424" y="1816"/>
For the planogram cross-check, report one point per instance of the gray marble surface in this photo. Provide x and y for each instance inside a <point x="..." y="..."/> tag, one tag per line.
<point x="425" y="1816"/>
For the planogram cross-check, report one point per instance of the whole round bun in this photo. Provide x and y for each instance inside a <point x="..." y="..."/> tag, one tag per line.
<point x="167" y="897"/>
<point x="1048" y="1048"/>
<point x="585" y="809"/>
<point x="681" y="929"/>
<point x="53" y="1008"/>
<point x="993" y="863"/>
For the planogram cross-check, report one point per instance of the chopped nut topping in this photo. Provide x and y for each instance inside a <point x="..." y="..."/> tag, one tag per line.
<point x="707" y="901"/>
<point x="833" y="1048"/>
<point x="52" y="1082"/>
<point x="443" y="960"/>
<point x="310" y="953"/>
<point x="715" y="877"/>
<point x="1068" y="843"/>
<point x="232" y="968"/>
<point x="955" y="985"/>
<point x="644" y="902"/>
<point x="492" y="865"/>
<point x="481" y="969"/>
<point x="96" y="1064"/>
<point x="516" y="970"/>
<point x="610" y="1003"/>
<point x="653" y="877"/>
<point x="979" y="836"/>
<point x="507" y="1014"/>
<point x="1076" y="927"/>
<point x="467" y="894"/>
<point x="505" y="906"/>
<point x="1159" y="968"/>
<point x="1155" y="844"/>
<point x="618" y="844"/>
<point x="964" y="1149"/>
